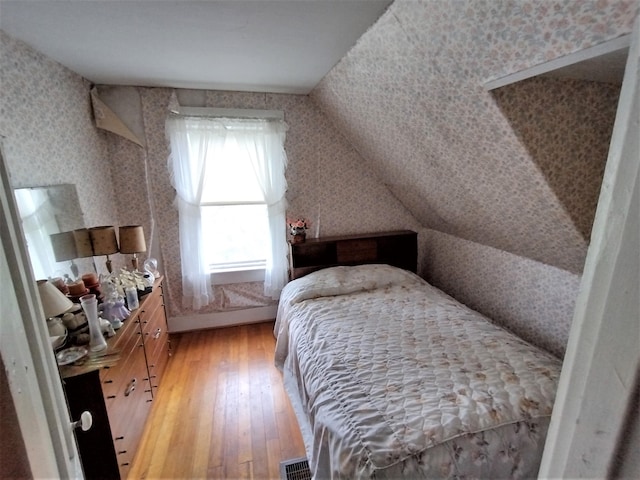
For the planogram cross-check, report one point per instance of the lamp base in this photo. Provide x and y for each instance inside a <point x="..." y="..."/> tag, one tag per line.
<point x="74" y="269"/>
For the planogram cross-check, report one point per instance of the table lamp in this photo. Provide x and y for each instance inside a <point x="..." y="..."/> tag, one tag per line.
<point x="54" y="302"/>
<point x="104" y="242"/>
<point x="82" y="239"/>
<point x="64" y="249"/>
<point x="132" y="241"/>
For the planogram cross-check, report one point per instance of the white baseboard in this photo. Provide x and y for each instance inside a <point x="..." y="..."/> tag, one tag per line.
<point x="221" y="319"/>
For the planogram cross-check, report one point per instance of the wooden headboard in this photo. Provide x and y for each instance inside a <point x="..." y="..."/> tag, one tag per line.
<point x="397" y="248"/>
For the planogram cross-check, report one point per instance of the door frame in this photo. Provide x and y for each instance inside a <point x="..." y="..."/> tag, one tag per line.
<point x="597" y="382"/>
<point x="31" y="369"/>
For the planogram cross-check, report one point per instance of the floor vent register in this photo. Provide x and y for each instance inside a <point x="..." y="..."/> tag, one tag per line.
<point x="296" y="469"/>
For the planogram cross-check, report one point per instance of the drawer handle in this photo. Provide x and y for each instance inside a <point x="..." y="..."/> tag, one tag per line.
<point x="157" y="334"/>
<point x="108" y="381"/>
<point x="119" y="438"/>
<point x="121" y="452"/>
<point x="110" y="396"/>
<point x="125" y="464"/>
<point x="131" y="387"/>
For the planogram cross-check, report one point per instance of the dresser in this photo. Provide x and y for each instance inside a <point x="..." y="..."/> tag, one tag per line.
<point x="397" y="248"/>
<point x="118" y="387"/>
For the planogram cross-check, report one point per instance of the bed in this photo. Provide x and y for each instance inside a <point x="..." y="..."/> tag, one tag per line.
<point x="392" y="378"/>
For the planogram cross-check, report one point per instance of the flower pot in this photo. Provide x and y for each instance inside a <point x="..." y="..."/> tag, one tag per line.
<point x="298" y="238"/>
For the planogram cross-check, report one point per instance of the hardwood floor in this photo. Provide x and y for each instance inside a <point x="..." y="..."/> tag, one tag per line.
<point x="221" y="410"/>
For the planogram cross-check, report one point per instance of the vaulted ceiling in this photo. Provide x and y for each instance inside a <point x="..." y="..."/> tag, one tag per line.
<point x="283" y="46"/>
<point x="502" y="168"/>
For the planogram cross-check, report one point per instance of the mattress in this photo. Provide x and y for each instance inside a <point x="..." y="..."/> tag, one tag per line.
<point x="390" y="377"/>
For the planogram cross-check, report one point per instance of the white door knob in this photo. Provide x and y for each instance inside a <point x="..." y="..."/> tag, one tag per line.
<point x="85" y="422"/>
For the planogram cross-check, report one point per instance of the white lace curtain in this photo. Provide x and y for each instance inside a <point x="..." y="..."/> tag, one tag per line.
<point x="193" y="140"/>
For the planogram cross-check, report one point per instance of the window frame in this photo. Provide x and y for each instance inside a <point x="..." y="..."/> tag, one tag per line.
<point x="250" y="273"/>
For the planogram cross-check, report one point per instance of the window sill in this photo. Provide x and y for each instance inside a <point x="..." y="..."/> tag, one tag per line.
<point x="237" y="276"/>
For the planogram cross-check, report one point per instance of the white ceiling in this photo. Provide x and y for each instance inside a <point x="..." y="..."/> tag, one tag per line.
<point x="281" y="46"/>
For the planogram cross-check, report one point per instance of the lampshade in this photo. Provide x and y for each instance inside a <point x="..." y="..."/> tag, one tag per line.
<point x="104" y="240"/>
<point x="64" y="246"/>
<point x="54" y="302"/>
<point x="84" y="248"/>
<point x="132" y="239"/>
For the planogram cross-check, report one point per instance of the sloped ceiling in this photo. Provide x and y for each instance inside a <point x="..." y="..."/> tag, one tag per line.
<point x="283" y="46"/>
<point x="410" y="97"/>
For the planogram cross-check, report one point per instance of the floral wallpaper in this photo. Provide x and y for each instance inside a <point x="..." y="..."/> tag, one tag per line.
<point x="410" y="96"/>
<point x="492" y="174"/>
<point x="533" y="300"/>
<point x="566" y="126"/>
<point x="326" y="183"/>
<point x="48" y="137"/>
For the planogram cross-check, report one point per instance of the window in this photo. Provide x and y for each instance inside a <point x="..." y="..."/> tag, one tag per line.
<point x="229" y="178"/>
<point x="235" y="225"/>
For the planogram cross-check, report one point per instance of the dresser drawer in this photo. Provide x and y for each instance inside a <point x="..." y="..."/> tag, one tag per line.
<point x="130" y="328"/>
<point x="129" y="407"/>
<point x="114" y="378"/>
<point x="152" y="303"/>
<point x="156" y="345"/>
<point x="157" y="357"/>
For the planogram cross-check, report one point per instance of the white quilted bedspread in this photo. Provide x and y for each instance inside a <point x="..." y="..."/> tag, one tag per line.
<point x="387" y="367"/>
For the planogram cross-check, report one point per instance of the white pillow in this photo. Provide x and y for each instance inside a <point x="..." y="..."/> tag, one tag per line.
<point x="344" y="280"/>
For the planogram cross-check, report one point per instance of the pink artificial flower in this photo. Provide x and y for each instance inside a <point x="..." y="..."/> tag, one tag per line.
<point x="299" y="223"/>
